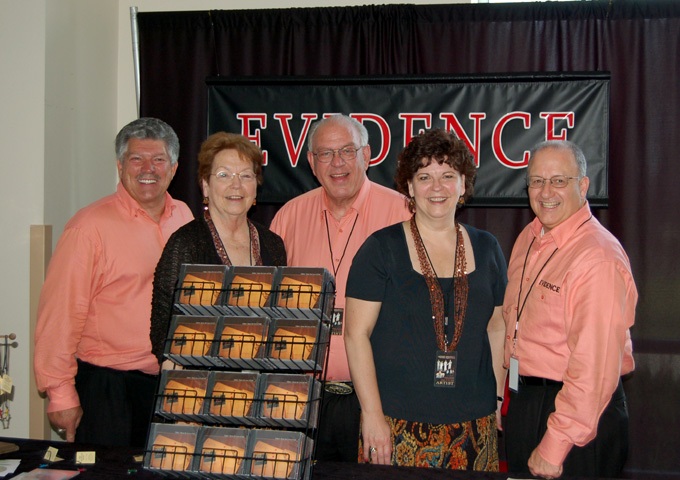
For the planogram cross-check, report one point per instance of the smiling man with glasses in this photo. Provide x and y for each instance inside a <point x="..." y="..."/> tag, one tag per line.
<point x="324" y="228"/>
<point x="569" y="305"/>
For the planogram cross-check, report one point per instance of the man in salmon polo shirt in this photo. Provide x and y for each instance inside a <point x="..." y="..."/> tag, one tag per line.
<point x="92" y="349"/>
<point x="324" y="228"/>
<point x="569" y="305"/>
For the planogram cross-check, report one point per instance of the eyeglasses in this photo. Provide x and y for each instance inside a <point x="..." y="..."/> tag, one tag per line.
<point x="346" y="153"/>
<point x="558" y="181"/>
<point x="227" y="177"/>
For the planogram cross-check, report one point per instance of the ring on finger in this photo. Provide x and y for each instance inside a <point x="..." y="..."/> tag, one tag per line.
<point x="372" y="449"/>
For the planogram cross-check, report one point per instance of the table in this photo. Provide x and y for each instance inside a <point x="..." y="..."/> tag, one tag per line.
<point x="118" y="463"/>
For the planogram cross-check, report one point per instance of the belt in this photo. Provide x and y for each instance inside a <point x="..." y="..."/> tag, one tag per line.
<point x="538" y="382"/>
<point x="339" y="388"/>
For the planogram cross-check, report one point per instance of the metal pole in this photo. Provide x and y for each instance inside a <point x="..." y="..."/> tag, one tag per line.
<point x="135" y="51"/>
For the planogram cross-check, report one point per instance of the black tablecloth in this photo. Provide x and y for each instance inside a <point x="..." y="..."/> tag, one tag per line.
<point x="119" y="462"/>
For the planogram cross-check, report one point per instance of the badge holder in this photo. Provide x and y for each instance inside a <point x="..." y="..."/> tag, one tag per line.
<point x="446" y="365"/>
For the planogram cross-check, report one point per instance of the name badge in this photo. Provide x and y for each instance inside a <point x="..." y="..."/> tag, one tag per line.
<point x="445" y="369"/>
<point x="513" y="374"/>
<point x="336" y="321"/>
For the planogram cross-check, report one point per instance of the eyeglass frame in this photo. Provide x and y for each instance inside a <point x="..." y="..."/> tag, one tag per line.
<point x="338" y="151"/>
<point x="551" y="180"/>
<point x="228" y="177"/>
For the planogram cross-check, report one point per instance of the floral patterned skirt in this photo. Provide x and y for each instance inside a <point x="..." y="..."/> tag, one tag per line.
<point x="471" y="445"/>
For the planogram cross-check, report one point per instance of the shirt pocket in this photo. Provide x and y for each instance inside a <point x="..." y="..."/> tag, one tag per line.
<point x="544" y="312"/>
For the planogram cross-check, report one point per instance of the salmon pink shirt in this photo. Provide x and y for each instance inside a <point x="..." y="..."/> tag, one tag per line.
<point x="576" y="306"/>
<point x="306" y="225"/>
<point x="95" y="304"/>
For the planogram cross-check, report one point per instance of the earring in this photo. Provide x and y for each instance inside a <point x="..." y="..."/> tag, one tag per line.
<point x="461" y="201"/>
<point x="205" y="203"/>
<point x="254" y="201"/>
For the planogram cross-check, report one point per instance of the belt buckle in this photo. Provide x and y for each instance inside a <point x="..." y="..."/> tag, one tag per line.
<point x="338" y="388"/>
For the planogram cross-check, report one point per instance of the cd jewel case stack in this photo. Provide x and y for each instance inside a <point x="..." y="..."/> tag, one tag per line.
<point x="239" y="393"/>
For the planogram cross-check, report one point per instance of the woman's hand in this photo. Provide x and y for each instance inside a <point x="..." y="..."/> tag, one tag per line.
<point x="361" y="316"/>
<point x="375" y="432"/>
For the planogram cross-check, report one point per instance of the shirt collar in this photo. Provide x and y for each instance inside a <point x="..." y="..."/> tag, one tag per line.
<point x="133" y="208"/>
<point x="358" y="203"/>
<point x="565" y="230"/>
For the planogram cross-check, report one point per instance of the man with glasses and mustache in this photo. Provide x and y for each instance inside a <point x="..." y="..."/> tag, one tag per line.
<point x="569" y="305"/>
<point x="324" y="228"/>
<point x="92" y="349"/>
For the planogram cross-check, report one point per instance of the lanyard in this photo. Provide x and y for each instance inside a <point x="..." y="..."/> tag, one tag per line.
<point x="330" y="248"/>
<point x="519" y="294"/>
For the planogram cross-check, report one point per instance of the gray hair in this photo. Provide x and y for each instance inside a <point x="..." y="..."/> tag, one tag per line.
<point x="151" y="129"/>
<point x="359" y="132"/>
<point x="562" y="145"/>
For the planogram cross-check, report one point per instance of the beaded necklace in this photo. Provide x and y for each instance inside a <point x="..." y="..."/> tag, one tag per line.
<point x="222" y="251"/>
<point x="460" y="289"/>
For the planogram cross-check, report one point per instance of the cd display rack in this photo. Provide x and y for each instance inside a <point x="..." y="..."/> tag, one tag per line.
<point x="247" y="350"/>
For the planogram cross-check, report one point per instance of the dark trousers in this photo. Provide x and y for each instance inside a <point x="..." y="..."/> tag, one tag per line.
<point x="338" y="436"/>
<point x="526" y="423"/>
<point x="117" y="405"/>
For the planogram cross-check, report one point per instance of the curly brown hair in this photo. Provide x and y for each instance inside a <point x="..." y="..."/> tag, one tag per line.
<point x="441" y="146"/>
<point x="219" y="141"/>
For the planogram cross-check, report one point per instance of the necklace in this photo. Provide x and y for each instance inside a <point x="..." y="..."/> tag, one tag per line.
<point x="330" y="248"/>
<point x="253" y="240"/>
<point x="460" y="288"/>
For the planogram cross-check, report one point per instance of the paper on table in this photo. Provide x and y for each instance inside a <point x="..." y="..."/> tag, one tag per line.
<point x="47" y="474"/>
<point x="8" y="466"/>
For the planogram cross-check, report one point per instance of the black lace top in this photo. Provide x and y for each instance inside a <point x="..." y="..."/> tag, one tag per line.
<point x="193" y="243"/>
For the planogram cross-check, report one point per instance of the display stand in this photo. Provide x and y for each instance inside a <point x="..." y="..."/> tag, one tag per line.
<point x="6" y="384"/>
<point x="248" y="348"/>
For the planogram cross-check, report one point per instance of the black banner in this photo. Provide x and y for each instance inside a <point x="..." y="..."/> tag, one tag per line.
<point x="499" y="117"/>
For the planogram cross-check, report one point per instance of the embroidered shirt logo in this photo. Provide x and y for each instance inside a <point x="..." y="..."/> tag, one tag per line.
<point x="549" y="286"/>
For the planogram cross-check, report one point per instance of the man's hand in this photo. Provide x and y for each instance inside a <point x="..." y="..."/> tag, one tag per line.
<point x="539" y="467"/>
<point x="67" y="420"/>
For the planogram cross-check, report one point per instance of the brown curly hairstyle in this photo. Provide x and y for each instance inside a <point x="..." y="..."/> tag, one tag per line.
<point x="219" y="141"/>
<point x="441" y="146"/>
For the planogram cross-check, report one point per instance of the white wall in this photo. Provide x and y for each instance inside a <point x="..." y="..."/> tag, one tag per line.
<point x="22" y="143"/>
<point x="66" y="87"/>
<point x="80" y="109"/>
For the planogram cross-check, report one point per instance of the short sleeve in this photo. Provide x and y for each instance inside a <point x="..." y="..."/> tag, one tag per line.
<point x="368" y="275"/>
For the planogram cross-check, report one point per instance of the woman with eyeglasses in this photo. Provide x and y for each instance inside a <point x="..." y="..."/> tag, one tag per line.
<point x="424" y="333"/>
<point x="229" y="171"/>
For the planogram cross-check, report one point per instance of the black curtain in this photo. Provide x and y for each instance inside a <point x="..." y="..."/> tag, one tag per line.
<point x="637" y="41"/>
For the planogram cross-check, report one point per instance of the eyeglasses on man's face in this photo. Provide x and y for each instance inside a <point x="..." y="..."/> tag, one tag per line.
<point x="558" y="181"/>
<point x="346" y="153"/>
<point x="245" y="176"/>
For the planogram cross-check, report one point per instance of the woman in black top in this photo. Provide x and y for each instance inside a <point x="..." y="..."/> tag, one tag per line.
<point x="424" y="324"/>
